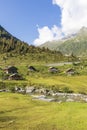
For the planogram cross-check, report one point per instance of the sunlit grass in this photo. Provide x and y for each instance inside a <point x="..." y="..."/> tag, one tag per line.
<point x="75" y="83"/>
<point x="22" y="113"/>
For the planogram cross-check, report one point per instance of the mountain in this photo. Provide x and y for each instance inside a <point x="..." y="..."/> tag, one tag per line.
<point x="5" y="34"/>
<point x="13" y="47"/>
<point x="9" y="43"/>
<point x="76" y="43"/>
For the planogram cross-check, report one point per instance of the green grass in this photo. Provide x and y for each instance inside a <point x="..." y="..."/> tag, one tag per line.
<point x="78" y="84"/>
<point x="75" y="83"/>
<point x="20" y="112"/>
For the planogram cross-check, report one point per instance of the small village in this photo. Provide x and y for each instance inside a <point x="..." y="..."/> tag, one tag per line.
<point x="41" y="93"/>
<point x="13" y="74"/>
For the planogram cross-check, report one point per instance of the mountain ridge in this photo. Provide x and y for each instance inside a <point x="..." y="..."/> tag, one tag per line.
<point x="76" y="44"/>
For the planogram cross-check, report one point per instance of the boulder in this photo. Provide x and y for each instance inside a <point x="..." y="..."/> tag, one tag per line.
<point x="30" y="89"/>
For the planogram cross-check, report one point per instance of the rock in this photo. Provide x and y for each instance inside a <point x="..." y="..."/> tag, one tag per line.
<point x="42" y="91"/>
<point x="43" y="98"/>
<point x="36" y="91"/>
<point x="3" y="90"/>
<point x="69" y="100"/>
<point x="30" y="89"/>
<point x="38" y="96"/>
<point x="49" y="93"/>
<point x="19" y="89"/>
<point x="85" y="99"/>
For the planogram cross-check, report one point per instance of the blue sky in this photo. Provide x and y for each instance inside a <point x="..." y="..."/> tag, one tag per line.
<point x="39" y="21"/>
<point x="21" y="17"/>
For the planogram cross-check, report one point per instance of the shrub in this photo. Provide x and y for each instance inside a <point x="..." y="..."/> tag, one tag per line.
<point x="2" y="85"/>
<point x="67" y="90"/>
<point x="12" y="89"/>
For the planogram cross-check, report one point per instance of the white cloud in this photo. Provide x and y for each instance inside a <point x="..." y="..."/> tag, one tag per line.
<point x="47" y="34"/>
<point x="73" y="17"/>
<point x="73" y="14"/>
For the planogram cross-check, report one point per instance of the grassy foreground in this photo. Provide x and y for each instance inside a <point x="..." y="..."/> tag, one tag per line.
<point x="20" y="112"/>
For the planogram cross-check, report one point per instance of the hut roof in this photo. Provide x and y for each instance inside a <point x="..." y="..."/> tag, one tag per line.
<point x="32" y="68"/>
<point x="70" y="70"/>
<point x="53" y="69"/>
<point x="11" y="67"/>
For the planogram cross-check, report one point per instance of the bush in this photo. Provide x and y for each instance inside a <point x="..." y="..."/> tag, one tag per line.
<point x="2" y="85"/>
<point x="55" y="88"/>
<point x="12" y="89"/>
<point x="82" y="92"/>
<point x="67" y="90"/>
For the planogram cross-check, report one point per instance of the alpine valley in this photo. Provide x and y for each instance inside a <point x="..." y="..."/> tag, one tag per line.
<point x="40" y="87"/>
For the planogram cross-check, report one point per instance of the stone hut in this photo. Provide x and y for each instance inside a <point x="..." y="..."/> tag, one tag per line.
<point x="10" y="70"/>
<point x="53" y="70"/>
<point x="70" y="71"/>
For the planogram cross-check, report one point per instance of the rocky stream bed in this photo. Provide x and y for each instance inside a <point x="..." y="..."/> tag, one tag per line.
<point x="50" y="95"/>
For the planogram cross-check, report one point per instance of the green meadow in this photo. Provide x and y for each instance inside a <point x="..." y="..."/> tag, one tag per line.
<point x="21" y="112"/>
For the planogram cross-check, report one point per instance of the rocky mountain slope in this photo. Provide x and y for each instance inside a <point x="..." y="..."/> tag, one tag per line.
<point x="76" y="44"/>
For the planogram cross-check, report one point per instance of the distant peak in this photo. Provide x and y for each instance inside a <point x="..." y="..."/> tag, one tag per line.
<point x="84" y="29"/>
<point x="82" y="32"/>
<point x="1" y="28"/>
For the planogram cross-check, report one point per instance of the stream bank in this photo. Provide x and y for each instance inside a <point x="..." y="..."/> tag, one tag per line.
<point x="49" y="95"/>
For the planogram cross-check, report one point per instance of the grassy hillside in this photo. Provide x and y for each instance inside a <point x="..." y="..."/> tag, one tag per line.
<point x="22" y="113"/>
<point x="53" y="45"/>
